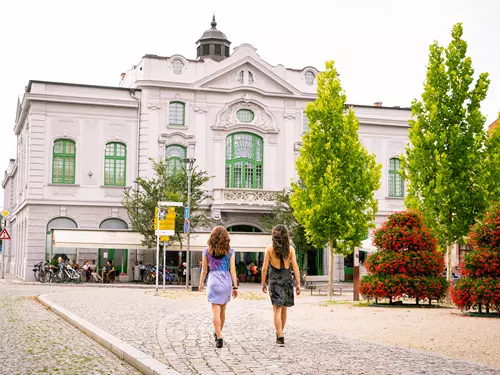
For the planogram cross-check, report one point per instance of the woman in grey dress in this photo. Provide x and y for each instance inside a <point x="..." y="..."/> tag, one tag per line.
<point x="280" y="257"/>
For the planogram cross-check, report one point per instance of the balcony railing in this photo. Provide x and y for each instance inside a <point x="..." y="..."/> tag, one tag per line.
<point x="247" y="197"/>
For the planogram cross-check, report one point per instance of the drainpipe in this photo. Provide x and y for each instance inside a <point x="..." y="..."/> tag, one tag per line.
<point x="132" y="94"/>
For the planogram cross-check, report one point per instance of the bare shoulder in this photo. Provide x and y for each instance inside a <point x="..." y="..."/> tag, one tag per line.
<point x="269" y="248"/>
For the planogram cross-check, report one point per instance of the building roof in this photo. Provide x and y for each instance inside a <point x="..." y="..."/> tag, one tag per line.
<point x="213" y="33"/>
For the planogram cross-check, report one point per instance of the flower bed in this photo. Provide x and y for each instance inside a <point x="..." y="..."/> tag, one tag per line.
<point x="406" y="264"/>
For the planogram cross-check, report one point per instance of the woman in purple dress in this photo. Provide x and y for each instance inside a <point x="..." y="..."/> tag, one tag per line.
<point x="219" y="257"/>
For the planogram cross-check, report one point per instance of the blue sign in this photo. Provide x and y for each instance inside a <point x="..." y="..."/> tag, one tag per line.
<point x="186" y="226"/>
<point x="186" y="213"/>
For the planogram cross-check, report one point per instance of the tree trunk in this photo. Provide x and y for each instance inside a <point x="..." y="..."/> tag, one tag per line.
<point x="331" y="269"/>
<point x="449" y="248"/>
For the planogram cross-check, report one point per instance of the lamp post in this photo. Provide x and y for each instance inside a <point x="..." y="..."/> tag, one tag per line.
<point x="190" y="166"/>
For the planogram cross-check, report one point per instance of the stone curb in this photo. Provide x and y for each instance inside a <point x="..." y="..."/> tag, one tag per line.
<point x="95" y="285"/>
<point x="140" y="360"/>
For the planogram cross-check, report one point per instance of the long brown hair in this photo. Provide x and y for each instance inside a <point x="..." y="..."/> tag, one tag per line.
<point x="218" y="243"/>
<point x="281" y="242"/>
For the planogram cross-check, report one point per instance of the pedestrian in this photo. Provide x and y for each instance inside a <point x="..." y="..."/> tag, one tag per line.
<point x="280" y="256"/>
<point x="219" y="257"/>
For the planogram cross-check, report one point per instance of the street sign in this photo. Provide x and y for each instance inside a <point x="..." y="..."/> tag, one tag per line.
<point x="4" y="235"/>
<point x="170" y="219"/>
<point x="5" y="213"/>
<point x="186" y="226"/>
<point x="163" y="222"/>
<point x="186" y="213"/>
<point x="164" y="232"/>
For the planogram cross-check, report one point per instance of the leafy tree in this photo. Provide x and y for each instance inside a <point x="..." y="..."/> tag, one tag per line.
<point x="140" y="203"/>
<point x="282" y="213"/>
<point x="407" y="262"/>
<point x="334" y="200"/>
<point x="479" y="285"/>
<point x="447" y="162"/>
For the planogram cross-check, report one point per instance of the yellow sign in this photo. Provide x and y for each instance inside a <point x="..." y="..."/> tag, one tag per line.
<point x="167" y="221"/>
<point x="5" y="213"/>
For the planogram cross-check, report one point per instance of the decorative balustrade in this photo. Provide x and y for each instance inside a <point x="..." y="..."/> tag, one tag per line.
<point x="248" y="197"/>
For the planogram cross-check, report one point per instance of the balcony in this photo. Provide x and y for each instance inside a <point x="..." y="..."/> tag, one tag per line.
<point x="242" y="200"/>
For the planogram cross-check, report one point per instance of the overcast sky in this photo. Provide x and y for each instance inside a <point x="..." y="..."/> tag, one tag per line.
<point x="380" y="47"/>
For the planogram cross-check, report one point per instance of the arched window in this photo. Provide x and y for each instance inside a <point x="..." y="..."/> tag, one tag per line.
<point x="175" y="155"/>
<point x="177" y="66"/>
<point x="113" y="223"/>
<point x="244" y="161"/>
<point x="309" y="76"/>
<point x="63" y="161"/>
<point x="176" y="111"/>
<point x="59" y="223"/>
<point x="396" y="182"/>
<point x="115" y="161"/>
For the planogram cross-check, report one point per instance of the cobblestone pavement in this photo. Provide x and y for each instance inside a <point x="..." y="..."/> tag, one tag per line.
<point x="177" y="331"/>
<point x="34" y="340"/>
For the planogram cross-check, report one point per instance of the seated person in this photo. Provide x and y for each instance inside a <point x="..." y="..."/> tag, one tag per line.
<point x="109" y="272"/>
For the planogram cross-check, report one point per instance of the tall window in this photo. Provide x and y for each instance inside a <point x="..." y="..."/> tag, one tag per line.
<point x="396" y="183"/>
<point x="177" y="65"/>
<point x="309" y="76"/>
<point x="115" y="159"/>
<point x="305" y="123"/>
<point x="175" y="155"/>
<point x="176" y="113"/>
<point x="63" y="162"/>
<point x="244" y="157"/>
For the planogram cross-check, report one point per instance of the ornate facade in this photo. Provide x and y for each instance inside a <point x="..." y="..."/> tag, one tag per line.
<point x="241" y="118"/>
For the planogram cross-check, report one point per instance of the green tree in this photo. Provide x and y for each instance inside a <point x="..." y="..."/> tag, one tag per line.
<point x="140" y="203"/>
<point x="335" y="200"/>
<point x="282" y="213"/>
<point x="447" y="162"/>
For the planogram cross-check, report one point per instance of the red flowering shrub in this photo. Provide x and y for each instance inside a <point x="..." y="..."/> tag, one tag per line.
<point x="407" y="262"/>
<point x="480" y="282"/>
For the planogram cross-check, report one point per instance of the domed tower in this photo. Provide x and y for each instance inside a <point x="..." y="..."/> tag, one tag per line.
<point x="213" y="44"/>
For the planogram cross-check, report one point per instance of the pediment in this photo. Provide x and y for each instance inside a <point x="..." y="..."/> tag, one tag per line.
<point x="255" y="76"/>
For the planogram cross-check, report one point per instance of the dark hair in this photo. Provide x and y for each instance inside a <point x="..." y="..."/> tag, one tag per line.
<point x="218" y="243"/>
<point x="281" y="243"/>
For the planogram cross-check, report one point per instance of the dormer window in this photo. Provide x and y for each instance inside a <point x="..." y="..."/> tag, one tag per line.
<point x="309" y="77"/>
<point x="241" y="76"/>
<point x="250" y="78"/>
<point x="177" y="66"/>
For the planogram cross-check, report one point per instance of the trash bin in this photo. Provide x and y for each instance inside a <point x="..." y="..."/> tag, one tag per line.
<point x="195" y="278"/>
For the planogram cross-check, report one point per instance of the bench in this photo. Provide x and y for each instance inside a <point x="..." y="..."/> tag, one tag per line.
<point x="311" y="282"/>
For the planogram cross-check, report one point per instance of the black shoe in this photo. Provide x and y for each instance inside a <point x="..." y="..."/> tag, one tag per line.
<point x="215" y="336"/>
<point x="280" y="341"/>
<point x="219" y="343"/>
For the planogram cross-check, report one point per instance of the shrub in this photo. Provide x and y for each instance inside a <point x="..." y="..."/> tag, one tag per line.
<point x="480" y="283"/>
<point x="407" y="263"/>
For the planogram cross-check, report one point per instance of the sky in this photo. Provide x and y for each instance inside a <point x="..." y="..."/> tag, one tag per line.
<point x="380" y="47"/>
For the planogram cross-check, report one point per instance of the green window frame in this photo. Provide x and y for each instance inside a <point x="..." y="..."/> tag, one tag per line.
<point x="244" y="161"/>
<point x="115" y="164"/>
<point x="63" y="161"/>
<point x="176" y="113"/>
<point x="175" y="155"/>
<point x="396" y="181"/>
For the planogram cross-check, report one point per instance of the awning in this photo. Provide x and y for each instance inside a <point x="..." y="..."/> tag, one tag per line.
<point x="126" y="239"/>
<point x="367" y="245"/>
<point x="97" y="239"/>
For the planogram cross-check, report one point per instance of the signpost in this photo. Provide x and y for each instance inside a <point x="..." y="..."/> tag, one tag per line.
<point x="165" y="226"/>
<point x="4" y="235"/>
<point x="355" y="284"/>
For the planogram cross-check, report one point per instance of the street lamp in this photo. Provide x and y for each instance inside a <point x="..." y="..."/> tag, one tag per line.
<point x="190" y="167"/>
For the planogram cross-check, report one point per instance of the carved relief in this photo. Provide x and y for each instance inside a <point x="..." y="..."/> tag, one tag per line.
<point x="116" y="193"/>
<point x="64" y="191"/>
<point x="250" y="196"/>
<point x="176" y="138"/>
<point x="262" y="121"/>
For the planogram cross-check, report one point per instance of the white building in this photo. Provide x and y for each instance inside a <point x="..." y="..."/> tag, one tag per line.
<point x="240" y="117"/>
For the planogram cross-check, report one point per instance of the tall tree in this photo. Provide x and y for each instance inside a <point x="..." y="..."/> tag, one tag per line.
<point x="282" y="213"/>
<point x="335" y="200"/>
<point x="165" y="185"/>
<point x="445" y="161"/>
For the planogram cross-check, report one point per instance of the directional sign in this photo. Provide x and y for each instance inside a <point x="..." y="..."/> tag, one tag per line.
<point x="4" y="235"/>
<point x="5" y="213"/>
<point x="186" y="213"/>
<point x="164" y="232"/>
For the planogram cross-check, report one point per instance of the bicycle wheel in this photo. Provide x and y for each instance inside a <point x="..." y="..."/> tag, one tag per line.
<point x="36" y="274"/>
<point x="174" y="279"/>
<point x="148" y="279"/>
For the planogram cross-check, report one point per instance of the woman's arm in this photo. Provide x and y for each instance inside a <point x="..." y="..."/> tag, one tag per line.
<point x="295" y="267"/>
<point x="204" y="265"/>
<point x="265" y="267"/>
<point x="232" y="266"/>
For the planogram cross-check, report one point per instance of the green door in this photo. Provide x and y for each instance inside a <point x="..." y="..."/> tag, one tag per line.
<point x="117" y="256"/>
